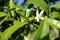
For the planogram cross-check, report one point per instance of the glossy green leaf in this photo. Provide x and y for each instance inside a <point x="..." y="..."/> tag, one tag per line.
<point x="9" y="31"/>
<point x="54" y="23"/>
<point x="42" y="30"/>
<point x="57" y="5"/>
<point x="41" y="3"/>
<point x="2" y="14"/>
<point x="11" y="4"/>
<point x="12" y="12"/>
<point x="55" y="15"/>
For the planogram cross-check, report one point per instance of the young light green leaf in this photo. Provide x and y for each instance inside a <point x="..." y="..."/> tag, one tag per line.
<point x="11" y="4"/>
<point x="12" y="12"/>
<point x="41" y="3"/>
<point x="54" y="15"/>
<point x="2" y="14"/>
<point x="54" y="23"/>
<point x="9" y="31"/>
<point x="42" y="30"/>
<point x="57" y="5"/>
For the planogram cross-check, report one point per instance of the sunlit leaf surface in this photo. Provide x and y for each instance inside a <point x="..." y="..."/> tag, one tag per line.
<point x="9" y="31"/>
<point x="54" y="23"/>
<point x="42" y="30"/>
<point x="2" y="14"/>
<point x="57" y="5"/>
<point x="54" y="15"/>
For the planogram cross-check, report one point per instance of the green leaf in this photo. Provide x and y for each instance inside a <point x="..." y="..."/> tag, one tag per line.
<point x="19" y="9"/>
<point x="54" y="33"/>
<point x="54" y="23"/>
<point x="2" y="14"/>
<point x="2" y="19"/>
<point x="29" y="11"/>
<point x="9" y="31"/>
<point x="31" y="18"/>
<point x="55" y="15"/>
<point x="0" y="35"/>
<point x="57" y="5"/>
<point x="11" y="4"/>
<point x="41" y="3"/>
<point x="42" y="30"/>
<point x="12" y="12"/>
<point x="50" y="36"/>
